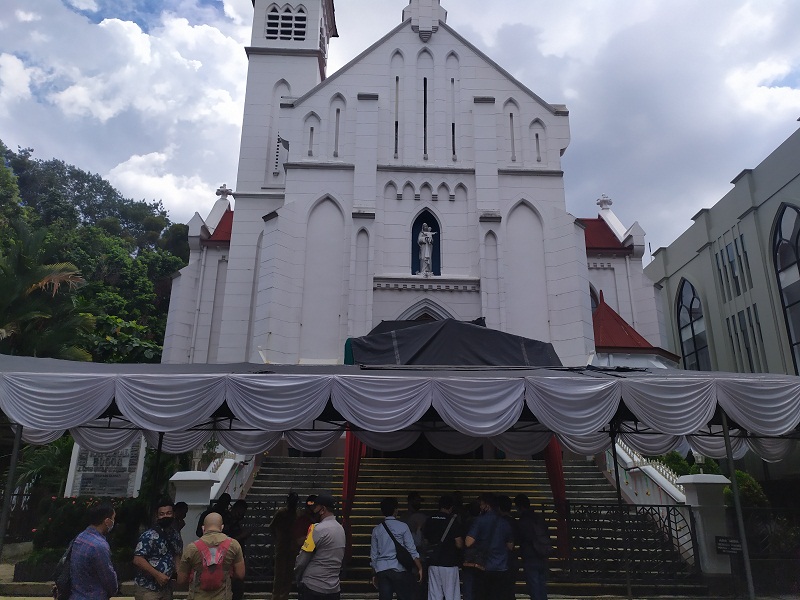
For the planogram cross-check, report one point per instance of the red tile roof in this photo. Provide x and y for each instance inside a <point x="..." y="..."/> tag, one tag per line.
<point x="600" y="238"/>
<point x="611" y="330"/>
<point x="613" y="334"/>
<point x="222" y="233"/>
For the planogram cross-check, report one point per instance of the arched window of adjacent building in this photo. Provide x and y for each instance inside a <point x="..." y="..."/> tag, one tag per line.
<point x="786" y="256"/>
<point x="426" y="217"/>
<point x="692" y="328"/>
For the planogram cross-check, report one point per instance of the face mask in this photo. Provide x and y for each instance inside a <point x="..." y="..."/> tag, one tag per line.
<point x="165" y="522"/>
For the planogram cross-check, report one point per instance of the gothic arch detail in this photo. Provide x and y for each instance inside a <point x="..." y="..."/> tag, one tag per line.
<point x="423" y="307"/>
<point x="692" y="328"/>
<point x="786" y="261"/>
<point x="286" y="23"/>
<point x="427" y="217"/>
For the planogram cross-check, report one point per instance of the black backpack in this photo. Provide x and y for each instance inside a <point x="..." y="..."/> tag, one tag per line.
<point x="62" y="589"/>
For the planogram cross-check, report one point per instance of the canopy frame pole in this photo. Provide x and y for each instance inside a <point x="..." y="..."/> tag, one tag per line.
<point x="12" y="467"/>
<point x="622" y="522"/>
<point x="737" y="503"/>
<point x="156" y="478"/>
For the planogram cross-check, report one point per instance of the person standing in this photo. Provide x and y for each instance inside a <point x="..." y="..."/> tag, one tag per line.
<point x="93" y="576"/>
<point x="492" y="533"/>
<point x="531" y="526"/>
<point x="444" y="537"/>
<point x="390" y="576"/>
<point x="281" y="528"/>
<point x="319" y="562"/>
<point x="241" y="534"/>
<point x="196" y="558"/>
<point x="155" y="556"/>
<point x="220" y="507"/>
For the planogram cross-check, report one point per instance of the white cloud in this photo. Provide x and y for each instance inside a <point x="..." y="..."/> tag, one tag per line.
<point x="87" y="5"/>
<point x="15" y="81"/>
<point x="151" y="177"/>
<point x="26" y="17"/>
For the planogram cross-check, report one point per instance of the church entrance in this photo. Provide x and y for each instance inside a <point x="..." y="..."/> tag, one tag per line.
<point x="423" y="449"/>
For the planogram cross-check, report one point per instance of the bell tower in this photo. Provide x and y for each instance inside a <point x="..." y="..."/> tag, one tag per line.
<point x="287" y="56"/>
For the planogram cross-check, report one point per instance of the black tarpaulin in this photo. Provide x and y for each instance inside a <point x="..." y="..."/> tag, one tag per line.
<point x="451" y="342"/>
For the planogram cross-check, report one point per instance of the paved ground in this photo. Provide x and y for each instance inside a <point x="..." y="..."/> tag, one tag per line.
<point x="36" y="591"/>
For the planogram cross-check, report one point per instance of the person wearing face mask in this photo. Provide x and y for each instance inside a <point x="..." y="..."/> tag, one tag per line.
<point x="157" y="552"/>
<point x="319" y="562"/>
<point x="93" y="576"/>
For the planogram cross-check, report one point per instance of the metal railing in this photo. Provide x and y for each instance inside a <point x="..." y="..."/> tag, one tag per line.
<point x="656" y="544"/>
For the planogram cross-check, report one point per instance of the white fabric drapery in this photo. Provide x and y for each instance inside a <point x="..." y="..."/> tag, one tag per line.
<point x="266" y="408"/>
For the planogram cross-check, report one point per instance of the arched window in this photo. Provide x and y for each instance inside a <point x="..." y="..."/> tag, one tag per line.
<point x="692" y="326"/>
<point x="426" y="217"/>
<point x="786" y="252"/>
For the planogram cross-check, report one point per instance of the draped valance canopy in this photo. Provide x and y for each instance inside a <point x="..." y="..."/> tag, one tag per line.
<point x="251" y="407"/>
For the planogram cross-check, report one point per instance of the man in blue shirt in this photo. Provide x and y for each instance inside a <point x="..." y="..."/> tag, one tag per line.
<point x="493" y="534"/>
<point x="93" y="576"/>
<point x="155" y="556"/>
<point x="390" y="576"/>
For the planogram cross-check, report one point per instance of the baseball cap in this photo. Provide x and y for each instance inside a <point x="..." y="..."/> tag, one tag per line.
<point x="311" y="500"/>
<point x="326" y="501"/>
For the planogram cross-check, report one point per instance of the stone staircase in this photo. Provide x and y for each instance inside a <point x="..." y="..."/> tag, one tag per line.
<point x="598" y="551"/>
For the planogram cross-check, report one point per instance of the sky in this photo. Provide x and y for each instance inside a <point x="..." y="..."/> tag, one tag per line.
<point x="669" y="100"/>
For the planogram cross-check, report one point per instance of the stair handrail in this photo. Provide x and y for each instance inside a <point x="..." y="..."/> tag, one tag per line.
<point x="640" y="461"/>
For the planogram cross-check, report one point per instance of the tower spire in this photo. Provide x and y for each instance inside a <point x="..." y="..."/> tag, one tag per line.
<point x="425" y="16"/>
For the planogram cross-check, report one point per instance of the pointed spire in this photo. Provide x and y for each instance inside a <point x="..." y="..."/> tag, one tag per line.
<point x="425" y="16"/>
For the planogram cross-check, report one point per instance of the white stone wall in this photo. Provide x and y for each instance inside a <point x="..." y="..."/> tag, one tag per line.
<point x="321" y="244"/>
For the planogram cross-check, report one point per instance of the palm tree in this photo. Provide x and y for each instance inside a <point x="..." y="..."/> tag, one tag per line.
<point x="38" y="314"/>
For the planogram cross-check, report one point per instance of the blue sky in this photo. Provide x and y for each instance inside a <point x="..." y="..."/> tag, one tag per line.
<point x="669" y="99"/>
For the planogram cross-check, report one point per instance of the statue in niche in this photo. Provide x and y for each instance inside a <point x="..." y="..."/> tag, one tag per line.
<point x="425" y="242"/>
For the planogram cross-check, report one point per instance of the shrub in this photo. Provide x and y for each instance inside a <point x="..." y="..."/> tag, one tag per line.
<point x="750" y="491"/>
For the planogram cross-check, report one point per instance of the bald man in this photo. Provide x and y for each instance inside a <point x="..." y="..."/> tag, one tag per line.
<point x="192" y="560"/>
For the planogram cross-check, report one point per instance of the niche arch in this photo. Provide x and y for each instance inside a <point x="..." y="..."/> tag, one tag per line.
<point x="426" y="216"/>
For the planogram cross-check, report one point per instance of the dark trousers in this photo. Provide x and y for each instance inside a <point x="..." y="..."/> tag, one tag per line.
<point x="306" y="594"/>
<point x="536" y="578"/>
<point x="237" y="589"/>
<point x="395" y="582"/>
<point x="492" y="585"/>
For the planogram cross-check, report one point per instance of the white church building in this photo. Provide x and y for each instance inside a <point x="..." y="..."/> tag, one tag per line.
<point x="339" y="174"/>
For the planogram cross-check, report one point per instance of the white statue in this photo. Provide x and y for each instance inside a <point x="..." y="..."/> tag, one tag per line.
<point x="425" y="242"/>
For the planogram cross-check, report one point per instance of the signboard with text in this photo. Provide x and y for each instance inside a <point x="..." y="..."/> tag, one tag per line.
<point x="113" y="474"/>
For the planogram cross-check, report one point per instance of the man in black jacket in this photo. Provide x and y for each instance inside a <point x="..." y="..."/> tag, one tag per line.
<point x="534" y="547"/>
<point x="444" y="536"/>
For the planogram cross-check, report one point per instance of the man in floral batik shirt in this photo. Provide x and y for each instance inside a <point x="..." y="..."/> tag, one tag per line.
<point x="156" y="554"/>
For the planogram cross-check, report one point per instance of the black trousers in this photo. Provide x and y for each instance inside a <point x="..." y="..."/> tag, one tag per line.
<point x="493" y="585"/>
<point x="306" y="594"/>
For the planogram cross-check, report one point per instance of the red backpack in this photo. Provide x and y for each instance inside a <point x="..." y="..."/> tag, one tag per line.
<point x="212" y="573"/>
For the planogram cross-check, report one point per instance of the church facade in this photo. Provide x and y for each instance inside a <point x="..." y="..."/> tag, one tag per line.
<point x="420" y="181"/>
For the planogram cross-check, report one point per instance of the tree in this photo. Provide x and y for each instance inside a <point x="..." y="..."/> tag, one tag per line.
<point x="38" y="313"/>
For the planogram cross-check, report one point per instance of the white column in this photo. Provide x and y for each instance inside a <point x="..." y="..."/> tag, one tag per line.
<point x="704" y="496"/>
<point x="194" y="488"/>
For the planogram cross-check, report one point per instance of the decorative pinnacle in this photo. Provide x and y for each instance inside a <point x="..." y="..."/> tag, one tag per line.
<point x="604" y="202"/>
<point x="223" y="191"/>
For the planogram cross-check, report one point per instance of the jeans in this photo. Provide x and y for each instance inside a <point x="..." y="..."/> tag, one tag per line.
<point x="536" y="578"/>
<point x="392" y="582"/>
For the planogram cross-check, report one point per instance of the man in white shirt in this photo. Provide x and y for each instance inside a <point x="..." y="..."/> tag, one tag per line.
<point x="390" y="576"/>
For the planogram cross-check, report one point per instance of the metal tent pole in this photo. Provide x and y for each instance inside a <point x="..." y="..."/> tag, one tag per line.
<point x="737" y="503"/>
<point x="12" y="467"/>
<point x="622" y="523"/>
<point x="156" y="489"/>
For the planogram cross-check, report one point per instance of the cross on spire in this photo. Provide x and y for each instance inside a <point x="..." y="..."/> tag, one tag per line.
<point x="425" y="16"/>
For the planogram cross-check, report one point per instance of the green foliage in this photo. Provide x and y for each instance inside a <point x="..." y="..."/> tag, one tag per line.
<point x="45" y="467"/>
<point x="126" y="252"/>
<point x="155" y="484"/>
<point x="63" y="518"/>
<point x="38" y="312"/>
<point x="710" y="467"/>
<point x="676" y="462"/>
<point x="750" y="491"/>
<point x="117" y="341"/>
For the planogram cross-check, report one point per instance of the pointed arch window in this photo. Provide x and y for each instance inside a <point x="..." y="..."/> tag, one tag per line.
<point x="692" y="327"/>
<point x="786" y="257"/>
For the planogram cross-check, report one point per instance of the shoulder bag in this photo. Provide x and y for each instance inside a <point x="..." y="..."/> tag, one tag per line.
<point x="403" y="555"/>
<point x="475" y="556"/>
<point x="432" y="552"/>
